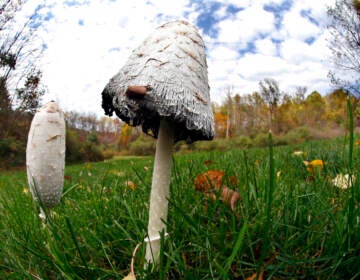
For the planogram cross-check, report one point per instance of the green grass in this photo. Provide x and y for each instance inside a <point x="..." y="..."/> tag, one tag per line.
<point x="294" y="226"/>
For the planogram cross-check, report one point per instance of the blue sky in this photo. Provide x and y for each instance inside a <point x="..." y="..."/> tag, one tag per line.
<point x="86" y="42"/>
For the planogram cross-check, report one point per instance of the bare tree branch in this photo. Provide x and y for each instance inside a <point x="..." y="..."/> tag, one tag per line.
<point x="345" y="45"/>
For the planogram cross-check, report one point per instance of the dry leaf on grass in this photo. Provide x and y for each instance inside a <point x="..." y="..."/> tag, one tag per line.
<point x="208" y="162"/>
<point x="130" y="184"/>
<point x="209" y="180"/>
<point x="253" y="277"/>
<point x="211" y="183"/>
<point x="260" y="276"/>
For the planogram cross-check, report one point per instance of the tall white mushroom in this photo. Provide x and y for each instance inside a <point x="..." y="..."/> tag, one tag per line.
<point x="164" y="88"/>
<point x="45" y="155"/>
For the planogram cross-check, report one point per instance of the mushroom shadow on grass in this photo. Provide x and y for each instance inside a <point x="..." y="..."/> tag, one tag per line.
<point x="164" y="88"/>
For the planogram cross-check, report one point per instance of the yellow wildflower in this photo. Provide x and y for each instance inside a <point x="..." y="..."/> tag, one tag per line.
<point x="314" y="165"/>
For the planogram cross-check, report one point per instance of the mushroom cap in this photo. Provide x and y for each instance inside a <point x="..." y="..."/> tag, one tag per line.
<point x="169" y="74"/>
<point x="45" y="154"/>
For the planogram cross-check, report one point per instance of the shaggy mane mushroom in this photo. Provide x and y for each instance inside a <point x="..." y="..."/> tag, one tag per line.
<point x="164" y="88"/>
<point x="45" y="156"/>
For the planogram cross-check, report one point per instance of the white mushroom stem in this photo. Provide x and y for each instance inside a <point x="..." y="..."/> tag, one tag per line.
<point x="159" y="190"/>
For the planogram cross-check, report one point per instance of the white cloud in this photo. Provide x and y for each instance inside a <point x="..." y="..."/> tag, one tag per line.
<point x="81" y="58"/>
<point x="222" y="53"/>
<point x="221" y="13"/>
<point x="297" y="26"/>
<point x="89" y="43"/>
<point x="317" y="9"/>
<point x="259" y="66"/>
<point x="247" y="25"/>
<point x="266" y="47"/>
<point x="296" y="51"/>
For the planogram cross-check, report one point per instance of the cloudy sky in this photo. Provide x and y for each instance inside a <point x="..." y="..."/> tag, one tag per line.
<point x="86" y="42"/>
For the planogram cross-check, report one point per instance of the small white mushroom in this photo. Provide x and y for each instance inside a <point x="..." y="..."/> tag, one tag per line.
<point x="45" y="155"/>
<point x="164" y="88"/>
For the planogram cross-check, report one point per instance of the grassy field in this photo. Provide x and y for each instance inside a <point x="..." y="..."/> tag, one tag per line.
<point x="291" y="224"/>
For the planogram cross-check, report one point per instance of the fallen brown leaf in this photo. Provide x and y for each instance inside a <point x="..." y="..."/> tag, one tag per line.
<point x="130" y="184"/>
<point x="253" y="277"/>
<point x="211" y="182"/>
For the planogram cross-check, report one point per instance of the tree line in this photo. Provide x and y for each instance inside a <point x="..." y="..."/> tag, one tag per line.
<point x="240" y="114"/>
<point x="271" y="109"/>
<point x="241" y="120"/>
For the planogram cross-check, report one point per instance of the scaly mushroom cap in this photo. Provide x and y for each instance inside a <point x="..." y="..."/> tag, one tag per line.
<point x="166" y="76"/>
<point x="45" y="155"/>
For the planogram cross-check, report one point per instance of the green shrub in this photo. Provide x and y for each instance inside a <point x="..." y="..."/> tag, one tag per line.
<point x="205" y="146"/>
<point x="182" y="147"/>
<point x="241" y="142"/>
<point x="92" y="137"/>
<point x="91" y="152"/>
<point x="73" y="146"/>
<point x="261" y="140"/>
<point x="108" y="153"/>
<point x="12" y="152"/>
<point x="79" y="151"/>
<point x="297" y="135"/>
<point x="7" y="146"/>
<point x="142" y="146"/>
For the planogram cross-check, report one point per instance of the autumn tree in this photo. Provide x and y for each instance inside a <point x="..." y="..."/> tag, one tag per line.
<point x="286" y="119"/>
<point x="239" y="114"/>
<point x="345" y="45"/>
<point x="18" y="53"/>
<point x="257" y="114"/>
<point x="221" y="121"/>
<point x="29" y="96"/>
<point x="229" y="111"/>
<point x="299" y="95"/>
<point x="5" y="108"/>
<point x="125" y="135"/>
<point x="336" y="107"/>
<point x="20" y="87"/>
<point x="109" y="125"/>
<point x="7" y="63"/>
<point x="314" y="109"/>
<point x="270" y="93"/>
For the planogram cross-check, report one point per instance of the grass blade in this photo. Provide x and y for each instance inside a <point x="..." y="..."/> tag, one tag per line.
<point x="269" y="189"/>
<point x="351" y="204"/>
<point x="73" y="237"/>
<point x="237" y="246"/>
